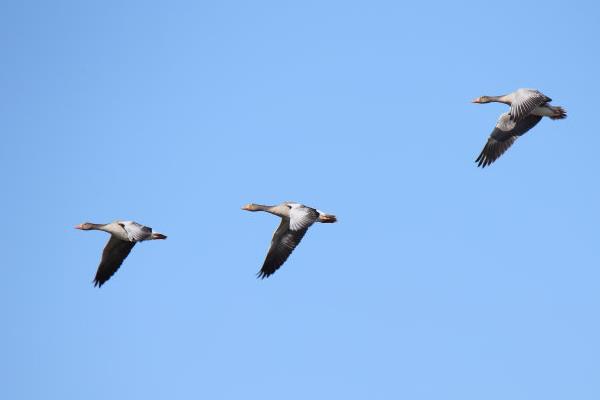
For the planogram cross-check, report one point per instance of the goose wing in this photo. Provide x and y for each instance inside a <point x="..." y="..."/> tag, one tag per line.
<point x="136" y="232"/>
<point x="525" y="101"/>
<point x="115" y="251"/>
<point x="302" y="217"/>
<point x="285" y="239"/>
<point x="503" y="136"/>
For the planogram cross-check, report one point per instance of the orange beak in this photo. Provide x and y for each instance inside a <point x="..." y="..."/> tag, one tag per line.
<point x="246" y="207"/>
<point x="475" y="100"/>
<point x="78" y="227"/>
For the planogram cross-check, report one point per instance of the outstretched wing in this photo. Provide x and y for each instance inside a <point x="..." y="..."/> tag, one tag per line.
<point x="136" y="232"/>
<point x="283" y="244"/>
<point x="525" y="101"/>
<point x="115" y="251"/>
<point x="302" y="217"/>
<point x="503" y="136"/>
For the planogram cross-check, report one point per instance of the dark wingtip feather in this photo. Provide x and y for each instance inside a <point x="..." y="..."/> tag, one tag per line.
<point x="481" y="159"/>
<point x="262" y="274"/>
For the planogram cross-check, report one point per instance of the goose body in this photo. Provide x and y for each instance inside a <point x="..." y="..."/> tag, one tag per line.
<point x="123" y="236"/>
<point x="295" y="221"/>
<point x="527" y="108"/>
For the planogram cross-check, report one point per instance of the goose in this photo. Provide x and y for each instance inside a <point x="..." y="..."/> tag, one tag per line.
<point x="123" y="236"/>
<point x="527" y="108"/>
<point x="295" y="221"/>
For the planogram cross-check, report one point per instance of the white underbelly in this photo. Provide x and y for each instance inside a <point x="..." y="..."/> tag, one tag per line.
<point x="543" y="111"/>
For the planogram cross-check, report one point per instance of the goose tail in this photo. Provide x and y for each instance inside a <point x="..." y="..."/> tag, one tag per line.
<point x="559" y="113"/>
<point x="327" y="218"/>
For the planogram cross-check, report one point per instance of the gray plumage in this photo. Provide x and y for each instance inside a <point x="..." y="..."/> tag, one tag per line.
<point x="123" y="237"/>
<point x="295" y="221"/>
<point x="527" y="108"/>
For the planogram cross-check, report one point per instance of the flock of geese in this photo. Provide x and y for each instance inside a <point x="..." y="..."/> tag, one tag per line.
<point x="527" y="108"/>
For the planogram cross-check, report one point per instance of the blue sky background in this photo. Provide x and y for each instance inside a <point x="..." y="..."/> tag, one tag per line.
<point x="440" y="281"/>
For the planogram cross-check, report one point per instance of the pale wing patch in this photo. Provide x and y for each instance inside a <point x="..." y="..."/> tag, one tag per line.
<point x="136" y="232"/>
<point x="525" y="101"/>
<point x="503" y="136"/>
<point x="505" y="123"/>
<point x="301" y="217"/>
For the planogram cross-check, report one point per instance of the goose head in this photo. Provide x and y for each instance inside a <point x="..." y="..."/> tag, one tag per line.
<point x="86" y="226"/>
<point x="251" y="207"/>
<point x="482" y="100"/>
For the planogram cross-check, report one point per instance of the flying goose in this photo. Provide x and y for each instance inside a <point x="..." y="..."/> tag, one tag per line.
<point x="123" y="236"/>
<point x="295" y="221"/>
<point x="527" y="108"/>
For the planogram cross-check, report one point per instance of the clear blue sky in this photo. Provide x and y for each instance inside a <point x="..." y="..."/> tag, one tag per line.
<point x="440" y="281"/>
